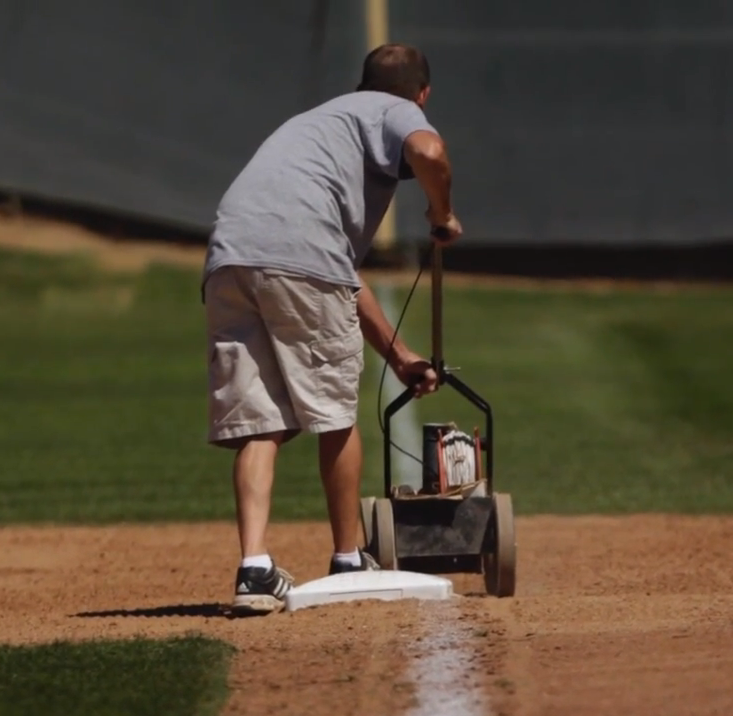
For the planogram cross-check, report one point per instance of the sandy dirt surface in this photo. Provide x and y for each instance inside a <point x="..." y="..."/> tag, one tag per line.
<point x="612" y="615"/>
<point x="27" y="233"/>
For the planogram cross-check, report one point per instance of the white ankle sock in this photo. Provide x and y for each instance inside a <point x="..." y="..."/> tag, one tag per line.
<point x="259" y="560"/>
<point x="352" y="558"/>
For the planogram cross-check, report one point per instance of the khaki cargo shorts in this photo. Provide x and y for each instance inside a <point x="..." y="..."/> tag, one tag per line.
<point x="285" y="353"/>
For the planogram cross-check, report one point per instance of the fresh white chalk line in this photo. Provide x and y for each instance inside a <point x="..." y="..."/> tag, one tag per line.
<point x="442" y="652"/>
<point x="406" y="431"/>
<point x="442" y="656"/>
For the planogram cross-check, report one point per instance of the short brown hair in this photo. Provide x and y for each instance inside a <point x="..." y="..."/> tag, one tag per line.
<point x="401" y="70"/>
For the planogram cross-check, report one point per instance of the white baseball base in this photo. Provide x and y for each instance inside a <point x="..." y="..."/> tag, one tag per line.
<point x="384" y="585"/>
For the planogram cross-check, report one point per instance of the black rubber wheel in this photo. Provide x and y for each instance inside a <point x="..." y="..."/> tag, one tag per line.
<point x="500" y="564"/>
<point x="383" y="534"/>
<point x="367" y="520"/>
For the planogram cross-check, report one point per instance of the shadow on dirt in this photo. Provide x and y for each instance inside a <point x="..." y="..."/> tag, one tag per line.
<point x="176" y="610"/>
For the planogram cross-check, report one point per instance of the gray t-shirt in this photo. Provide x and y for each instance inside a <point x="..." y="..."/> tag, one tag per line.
<point x="314" y="194"/>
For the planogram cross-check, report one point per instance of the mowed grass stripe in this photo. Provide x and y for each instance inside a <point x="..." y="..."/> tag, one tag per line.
<point x="103" y="415"/>
<point x="619" y="402"/>
<point x="177" y="677"/>
<point x="601" y="402"/>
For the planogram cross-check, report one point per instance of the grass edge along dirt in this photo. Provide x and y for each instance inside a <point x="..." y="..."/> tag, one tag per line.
<point x="615" y="402"/>
<point x="179" y="676"/>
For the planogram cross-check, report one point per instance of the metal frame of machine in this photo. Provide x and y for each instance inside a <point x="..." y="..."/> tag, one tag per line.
<point x="434" y="531"/>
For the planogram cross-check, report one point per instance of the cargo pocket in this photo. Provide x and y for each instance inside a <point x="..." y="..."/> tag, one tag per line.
<point x="334" y="350"/>
<point x="224" y="369"/>
<point x="337" y="364"/>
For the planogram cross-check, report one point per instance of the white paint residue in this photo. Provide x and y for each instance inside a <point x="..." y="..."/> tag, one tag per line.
<point x="442" y="654"/>
<point x="441" y="659"/>
<point x="406" y="431"/>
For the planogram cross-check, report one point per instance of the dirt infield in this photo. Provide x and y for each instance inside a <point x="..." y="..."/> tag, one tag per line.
<point x="613" y="615"/>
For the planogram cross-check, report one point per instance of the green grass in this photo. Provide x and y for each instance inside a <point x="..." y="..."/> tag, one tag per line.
<point x="601" y="403"/>
<point x="103" y="401"/>
<point x="175" y="677"/>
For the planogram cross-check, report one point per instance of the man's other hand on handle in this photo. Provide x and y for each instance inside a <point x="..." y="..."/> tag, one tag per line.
<point x="415" y="372"/>
<point x="444" y="229"/>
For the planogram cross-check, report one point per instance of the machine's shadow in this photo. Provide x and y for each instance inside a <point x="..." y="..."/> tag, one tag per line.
<point x="206" y="610"/>
<point x="213" y="609"/>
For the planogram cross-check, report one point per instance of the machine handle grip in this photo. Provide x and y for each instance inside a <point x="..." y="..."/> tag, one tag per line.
<point x="440" y="232"/>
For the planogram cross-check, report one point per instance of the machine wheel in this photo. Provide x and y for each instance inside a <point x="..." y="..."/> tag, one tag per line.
<point x="367" y="510"/>
<point x="383" y="534"/>
<point x="500" y="564"/>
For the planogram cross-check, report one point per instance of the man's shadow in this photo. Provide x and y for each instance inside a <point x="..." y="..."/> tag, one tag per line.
<point x="174" y="610"/>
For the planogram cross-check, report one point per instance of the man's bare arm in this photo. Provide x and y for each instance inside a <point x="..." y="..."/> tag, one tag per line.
<point x="377" y="330"/>
<point x="380" y="335"/>
<point x="426" y="154"/>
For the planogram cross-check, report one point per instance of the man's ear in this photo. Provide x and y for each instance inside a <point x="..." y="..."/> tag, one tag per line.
<point x="422" y="98"/>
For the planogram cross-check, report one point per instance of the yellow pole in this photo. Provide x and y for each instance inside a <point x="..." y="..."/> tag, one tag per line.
<point x="376" y="13"/>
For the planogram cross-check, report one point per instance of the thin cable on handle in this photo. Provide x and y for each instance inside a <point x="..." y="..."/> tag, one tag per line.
<point x="441" y="233"/>
<point x="423" y="265"/>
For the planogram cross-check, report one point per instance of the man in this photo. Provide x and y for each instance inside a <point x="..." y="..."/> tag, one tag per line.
<point x="287" y="312"/>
